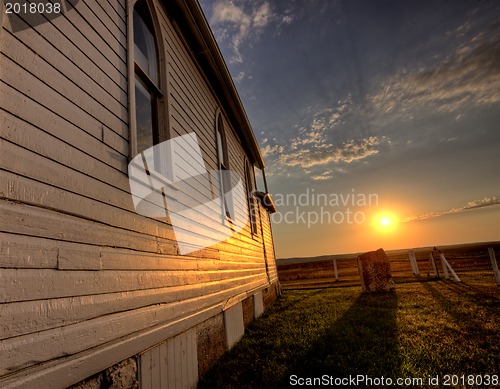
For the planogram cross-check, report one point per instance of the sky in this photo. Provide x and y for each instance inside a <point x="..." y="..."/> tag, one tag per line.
<point x="379" y="121"/>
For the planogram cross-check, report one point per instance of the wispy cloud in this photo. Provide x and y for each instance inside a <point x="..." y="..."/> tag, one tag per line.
<point x="322" y="176"/>
<point x="467" y="78"/>
<point x="239" y="77"/>
<point x="317" y="151"/>
<point x="239" y="23"/>
<point x="269" y="150"/>
<point x="318" y="155"/>
<point x="484" y="202"/>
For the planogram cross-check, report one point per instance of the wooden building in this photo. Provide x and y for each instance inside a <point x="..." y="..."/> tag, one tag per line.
<point x="91" y="290"/>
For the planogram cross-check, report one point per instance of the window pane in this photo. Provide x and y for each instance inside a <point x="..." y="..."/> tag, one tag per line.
<point x="222" y="143"/>
<point x="259" y="178"/>
<point x="252" y="204"/>
<point x="143" y="116"/>
<point x="220" y="149"/>
<point x="225" y="188"/>
<point x="144" y="43"/>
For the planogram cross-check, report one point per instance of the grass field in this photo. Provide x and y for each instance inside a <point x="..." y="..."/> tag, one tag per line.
<point x="427" y="328"/>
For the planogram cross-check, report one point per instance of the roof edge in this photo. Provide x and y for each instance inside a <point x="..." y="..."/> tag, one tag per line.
<point x="193" y="23"/>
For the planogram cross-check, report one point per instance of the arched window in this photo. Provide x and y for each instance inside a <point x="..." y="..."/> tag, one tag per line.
<point x="252" y="203"/>
<point x="222" y="144"/>
<point x="223" y="161"/>
<point x="146" y="79"/>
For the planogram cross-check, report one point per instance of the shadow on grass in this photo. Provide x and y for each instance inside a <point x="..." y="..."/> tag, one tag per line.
<point x="469" y="320"/>
<point x="475" y="292"/>
<point x="470" y="339"/>
<point x="307" y="294"/>
<point x="310" y="334"/>
<point x="362" y="341"/>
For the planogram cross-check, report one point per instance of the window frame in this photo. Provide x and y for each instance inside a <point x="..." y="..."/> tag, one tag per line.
<point x="251" y="200"/>
<point x="222" y="161"/>
<point x="135" y="71"/>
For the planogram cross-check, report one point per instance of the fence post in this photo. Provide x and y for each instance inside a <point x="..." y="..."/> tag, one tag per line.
<point x="335" y="270"/>
<point x="447" y="264"/>
<point x="414" y="258"/>
<point x="413" y="262"/>
<point x="431" y="259"/>
<point x="496" y="273"/>
<point x="443" y="265"/>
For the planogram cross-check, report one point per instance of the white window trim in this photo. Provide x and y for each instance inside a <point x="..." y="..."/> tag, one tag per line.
<point x="162" y="119"/>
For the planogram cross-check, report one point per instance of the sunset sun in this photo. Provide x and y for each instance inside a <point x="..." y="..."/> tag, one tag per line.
<point x="385" y="222"/>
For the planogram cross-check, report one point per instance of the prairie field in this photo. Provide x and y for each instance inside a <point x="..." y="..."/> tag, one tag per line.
<point x="471" y="262"/>
<point x="428" y="333"/>
<point x="430" y="328"/>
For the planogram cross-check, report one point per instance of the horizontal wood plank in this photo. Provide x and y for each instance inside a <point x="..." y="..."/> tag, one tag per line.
<point x="29" y="252"/>
<point x="31" y="62"/>
<point x="78" y="337"/>
<point x="83" y="34"/>
<point x="69" y="369"/>
<point x="71" y="256"/>
<point x="77" y="49"/>
<point x="41" y="129"/>
<point x="114" y="99"/>
<point x="104" y="26"/>
<point x="21" y="252"/>
<point x="29" y="220"/>
<point x="35" y="284"/>
<point x="29" y="85"/>
<point x="22" y="189"/>
<point x="75" y="338"/>
<point x="21" y="318"/>
<point x="23" y="162"/>
<point x="111" y="14"/>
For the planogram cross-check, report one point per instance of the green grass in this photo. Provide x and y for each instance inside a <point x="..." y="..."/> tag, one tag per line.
<point x="425" y="329"/>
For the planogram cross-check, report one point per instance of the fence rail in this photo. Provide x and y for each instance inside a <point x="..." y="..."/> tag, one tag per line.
<point x="475" y="265"/>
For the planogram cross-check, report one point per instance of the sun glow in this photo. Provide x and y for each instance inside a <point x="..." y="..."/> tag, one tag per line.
<point x="385" y="221"/>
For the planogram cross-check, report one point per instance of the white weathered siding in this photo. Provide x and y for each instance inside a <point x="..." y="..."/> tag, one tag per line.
<point x="233" y="322"/>
<point x="258" y="304"/>
<point x="171" y="364"/>
<point x="86" y="281"/>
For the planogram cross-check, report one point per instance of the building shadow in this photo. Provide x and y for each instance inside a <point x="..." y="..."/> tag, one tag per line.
<point x="363" y="341"/>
